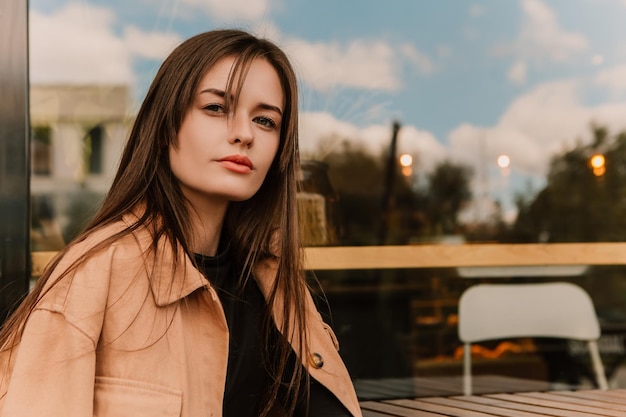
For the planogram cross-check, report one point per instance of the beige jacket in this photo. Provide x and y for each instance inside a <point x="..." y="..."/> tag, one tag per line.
<point x="107" y="341"/>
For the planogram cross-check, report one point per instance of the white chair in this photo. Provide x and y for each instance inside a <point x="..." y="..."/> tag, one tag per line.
<point x="500" y="311"/>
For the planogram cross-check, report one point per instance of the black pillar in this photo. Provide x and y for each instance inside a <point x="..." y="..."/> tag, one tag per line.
<point x="391" y="166"/>
<point x="14" y="155"/>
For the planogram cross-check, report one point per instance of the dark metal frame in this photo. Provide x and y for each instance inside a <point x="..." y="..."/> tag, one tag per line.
<point x="14" y="155"/>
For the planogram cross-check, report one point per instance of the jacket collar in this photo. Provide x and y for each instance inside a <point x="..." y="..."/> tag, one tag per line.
<point x="172" y="274"/>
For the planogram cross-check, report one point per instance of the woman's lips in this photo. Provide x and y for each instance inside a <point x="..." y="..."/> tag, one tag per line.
<point x="237" y="163"/>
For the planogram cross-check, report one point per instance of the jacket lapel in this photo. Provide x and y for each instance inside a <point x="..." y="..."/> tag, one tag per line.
<point x="172" y="274"/>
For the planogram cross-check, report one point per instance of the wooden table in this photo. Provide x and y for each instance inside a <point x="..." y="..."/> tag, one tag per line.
<point x="583" y="403"/>
<point x="442" y="386"/>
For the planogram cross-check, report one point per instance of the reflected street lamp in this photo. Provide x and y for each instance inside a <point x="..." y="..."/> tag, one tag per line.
<point x="504" y="162"/>
<point x="598" y="164"/>
<point x="406" y="162"/>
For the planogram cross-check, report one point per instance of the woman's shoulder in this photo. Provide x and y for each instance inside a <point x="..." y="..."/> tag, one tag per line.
<point x="90" y="273"/>
<point x="91" y="262"/>
<point x="112" y="240"/>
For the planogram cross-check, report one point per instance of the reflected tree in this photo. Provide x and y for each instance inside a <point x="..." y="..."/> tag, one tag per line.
<point x="417" y="213"/>
<point x="356" y="176"/>
<point x="579" y="203"/>
<point x="449" y="190"/>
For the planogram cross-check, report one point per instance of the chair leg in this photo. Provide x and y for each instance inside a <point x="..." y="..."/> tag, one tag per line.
<point x="597" y="365"/>
<point x="467" y="369"/>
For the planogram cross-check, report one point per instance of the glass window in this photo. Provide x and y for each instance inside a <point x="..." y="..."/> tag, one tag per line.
<point x="423" y="124"/>
<point x="41" y="150"/>
<point x="93" y="149"/>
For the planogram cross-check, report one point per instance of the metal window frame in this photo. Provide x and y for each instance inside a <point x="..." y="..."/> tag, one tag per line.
<point x="14" y="155"/>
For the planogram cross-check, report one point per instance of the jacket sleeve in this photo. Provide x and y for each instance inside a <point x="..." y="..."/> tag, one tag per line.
<point x="54" y="370"/>
<point x="54" y="364"/>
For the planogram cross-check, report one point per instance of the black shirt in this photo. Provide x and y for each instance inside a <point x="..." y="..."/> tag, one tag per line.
<point x="247" y="378"/>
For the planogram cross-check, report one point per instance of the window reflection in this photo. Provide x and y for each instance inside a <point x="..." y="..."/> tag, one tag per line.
<point x="77" y="136"/>
<point x="41" y="150"/>
<point x="93" y="150"/>
<point x="502" y="107"/>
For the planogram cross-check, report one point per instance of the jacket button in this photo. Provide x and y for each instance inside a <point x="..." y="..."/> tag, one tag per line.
<point x="316" y="360"/>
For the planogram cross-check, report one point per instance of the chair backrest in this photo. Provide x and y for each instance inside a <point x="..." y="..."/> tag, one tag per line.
<point x="553" y="309"/>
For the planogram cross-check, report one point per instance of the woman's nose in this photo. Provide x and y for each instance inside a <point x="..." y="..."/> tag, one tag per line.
<point x="240" y="130"/>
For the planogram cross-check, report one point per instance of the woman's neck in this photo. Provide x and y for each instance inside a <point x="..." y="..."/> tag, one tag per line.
<point x="206" y="241"/>
<point x="206" y="221"/>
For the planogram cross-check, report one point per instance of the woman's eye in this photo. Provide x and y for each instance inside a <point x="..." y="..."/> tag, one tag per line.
<point x="214" y="108"/>
<point x="265" y="121"/>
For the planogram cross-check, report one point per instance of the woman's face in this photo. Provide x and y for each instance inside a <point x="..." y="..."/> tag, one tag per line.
<point x="222" y="154"/>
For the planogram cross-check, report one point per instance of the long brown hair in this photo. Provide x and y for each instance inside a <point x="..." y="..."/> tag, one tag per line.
<point x="263" y="226"/>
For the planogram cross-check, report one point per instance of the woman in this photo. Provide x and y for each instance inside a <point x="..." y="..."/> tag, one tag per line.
<point x="185" y="295"/>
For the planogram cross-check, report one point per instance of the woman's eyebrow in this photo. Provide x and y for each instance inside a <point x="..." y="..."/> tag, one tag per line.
<point x="271" y="107"/>
<point x="215" y="91"/>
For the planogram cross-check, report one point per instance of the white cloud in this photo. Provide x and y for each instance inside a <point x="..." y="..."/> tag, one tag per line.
<point x="232" y="10"/>
<point x="536" y="126"/>
<point x="614" y="78"/>
<point x="546" y="121"/>
<point x="321" y="128"/>
<point x="517" y="72"/>
<point x="611" y="116"/>
<point x="542" y="36"/>
<point x="360" y="64"/>
<point x="366" y="64"/>
<point x="479" y="148"/>
<point x="540" y="40"/>
<point x="150" y="45"/>
<point x="549" y="113"/>
<point x="321" y="133"/>
<point x="78" y="45"/>
<point x="476" y="10"/>
<point x="420" y="61"/>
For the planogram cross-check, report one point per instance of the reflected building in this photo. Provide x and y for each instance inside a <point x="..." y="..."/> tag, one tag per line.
<point x="78" y="133"/>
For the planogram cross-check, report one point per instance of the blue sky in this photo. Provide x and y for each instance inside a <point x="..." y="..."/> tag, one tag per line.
<point x="468" y="79"/>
